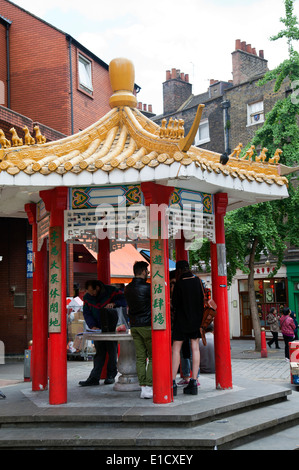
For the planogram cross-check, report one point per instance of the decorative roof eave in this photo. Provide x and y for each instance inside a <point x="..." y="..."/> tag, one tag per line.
<point x="126" y="139"/>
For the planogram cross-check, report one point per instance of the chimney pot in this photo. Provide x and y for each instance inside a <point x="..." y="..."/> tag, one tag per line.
<point x="238" y="44"/>
<point x="261" y="54"/>
<point x="168" y="75"/>
<point x="187" y="77"/>
<point x="254" y="50"/>
<point x="144" y="107"/>
<point x="183" y="76"/>
<point x="139" y="105"/>
<point x="243" y="45"/>
<point x="150" y="108"/>
<point x="173" y="73"/>
<point x="248" y="48"/>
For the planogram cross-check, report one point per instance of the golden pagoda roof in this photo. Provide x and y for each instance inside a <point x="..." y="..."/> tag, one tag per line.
<point x="124" y="138"/>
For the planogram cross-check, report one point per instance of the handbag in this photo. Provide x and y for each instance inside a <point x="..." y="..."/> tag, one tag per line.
<point x="209" y="313"/>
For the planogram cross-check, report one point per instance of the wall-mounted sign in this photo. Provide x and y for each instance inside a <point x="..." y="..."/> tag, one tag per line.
<point x="55" y="279"/>
<point x="29" y="259"/>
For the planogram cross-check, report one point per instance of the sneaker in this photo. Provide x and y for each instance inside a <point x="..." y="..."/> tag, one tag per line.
<point x="90" y="381"/>
<point x="146" y="392"/>
<point x="109" y="381"/>
<point x="191" y="388"/>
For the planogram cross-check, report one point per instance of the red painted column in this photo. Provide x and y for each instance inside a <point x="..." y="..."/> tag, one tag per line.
<point x="39" y="359"/>
<point x="161" y="338"/>
<point x="181" y="253"/>
<point x="103" y="265"/>
<point x="56" y="202"/>
<point x="223" y="372"/>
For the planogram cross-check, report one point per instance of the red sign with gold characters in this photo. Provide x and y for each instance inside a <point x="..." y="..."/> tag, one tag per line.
<point x="55" y="280"/>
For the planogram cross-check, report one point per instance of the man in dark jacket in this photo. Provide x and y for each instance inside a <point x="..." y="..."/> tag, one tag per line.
<point x="97" y="297"/>
<point x="188" y="304"/>
<point x="138" y="296"/>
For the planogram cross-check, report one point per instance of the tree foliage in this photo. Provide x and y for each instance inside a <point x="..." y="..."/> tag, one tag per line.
<point x="266" y="228"/>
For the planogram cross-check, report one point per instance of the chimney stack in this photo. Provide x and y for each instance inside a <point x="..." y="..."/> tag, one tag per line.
<point x="246" y="63"/>
<point x="176" y="90"/>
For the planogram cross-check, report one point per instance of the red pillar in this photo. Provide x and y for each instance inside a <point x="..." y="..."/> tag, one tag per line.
<point x="223" y="372"/>
<point x="103" y="266"/>
<point x="180" y="252"/>
<point x="39" y="362"/>
<point x="161" y="338"/>
<point x="56" y="202"/>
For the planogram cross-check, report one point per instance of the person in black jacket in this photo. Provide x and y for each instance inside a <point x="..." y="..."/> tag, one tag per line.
<point x="138" y="297"/>
<point x="188" y="304"/>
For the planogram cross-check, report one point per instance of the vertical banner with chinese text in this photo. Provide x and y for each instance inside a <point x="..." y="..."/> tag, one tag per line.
<point x="55" y="279"/>
<point x="158" y="284"/>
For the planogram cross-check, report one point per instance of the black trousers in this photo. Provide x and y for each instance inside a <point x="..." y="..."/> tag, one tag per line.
<point x="274" y="339"/>
<point x="102" y="348"/>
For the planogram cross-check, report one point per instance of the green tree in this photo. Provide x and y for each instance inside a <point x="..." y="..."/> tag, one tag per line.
<point x="266" y="228"/>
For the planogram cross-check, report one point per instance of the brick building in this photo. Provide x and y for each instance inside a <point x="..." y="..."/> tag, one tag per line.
<point x="49" y="79"/>
<point x="233" y="112"/>
<point x="234" y="109"/>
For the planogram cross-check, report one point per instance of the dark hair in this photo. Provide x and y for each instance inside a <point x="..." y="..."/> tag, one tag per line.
<point x="272" y="309"/>
<point x="286" y="311"/>
<point x="139" y="267"/>
<point x="94" y="283"/>
<point x="183" y="265"/>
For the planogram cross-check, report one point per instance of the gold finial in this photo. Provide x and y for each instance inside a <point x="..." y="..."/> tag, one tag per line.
<point x="122" y="77"/>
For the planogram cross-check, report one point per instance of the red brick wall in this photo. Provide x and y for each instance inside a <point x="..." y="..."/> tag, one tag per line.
<point x="89" y="108"/>
<point x="40" y="75"/>
<point x="15" y="323"/>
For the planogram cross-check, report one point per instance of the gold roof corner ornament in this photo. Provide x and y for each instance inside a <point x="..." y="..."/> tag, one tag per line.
<point x="174" y="130"/>
<point x="186" y="142"/>
<point x="249" y="154"/>
<point x="16" y="140"/>
<point x="275" y="159"/>
<point x="29" y="140"/>
<point x="237" y="150"/>
<point x="40" y="139"/>
<point x="262" y="156"/>
<point x="4" y="142"/>
<point x="122" y="77"/>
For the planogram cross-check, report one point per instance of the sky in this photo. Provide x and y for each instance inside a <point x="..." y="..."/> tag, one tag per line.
<point x="195" y="36"/>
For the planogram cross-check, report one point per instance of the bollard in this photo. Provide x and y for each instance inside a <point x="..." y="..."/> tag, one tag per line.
<point x="264" y="352"/>
<point x="294" y="361"/>
<point x="27" y="360"/>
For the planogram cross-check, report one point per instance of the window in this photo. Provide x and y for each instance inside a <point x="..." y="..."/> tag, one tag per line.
<point x="20" y="300"/>
<point x="203" y="133"/>
<point x="255" y="113"/>
<point x="85" y="75"/>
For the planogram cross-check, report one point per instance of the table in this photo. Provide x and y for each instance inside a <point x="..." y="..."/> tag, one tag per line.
<point x="128" y="380"/>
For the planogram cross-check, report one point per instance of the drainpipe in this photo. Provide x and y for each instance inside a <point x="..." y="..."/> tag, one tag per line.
<point x="8" y="64"/>
<point x="226" y="121"/>
<point x="7" y="24"/>
<point x="71" y="83"/>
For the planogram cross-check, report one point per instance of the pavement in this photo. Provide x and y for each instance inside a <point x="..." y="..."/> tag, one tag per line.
<point x="253" y="377"/>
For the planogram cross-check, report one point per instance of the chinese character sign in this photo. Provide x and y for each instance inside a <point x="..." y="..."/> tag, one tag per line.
<point x="55" y="280"/>
<point x="29" y="259"/>
<point x="158" y="285"/>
